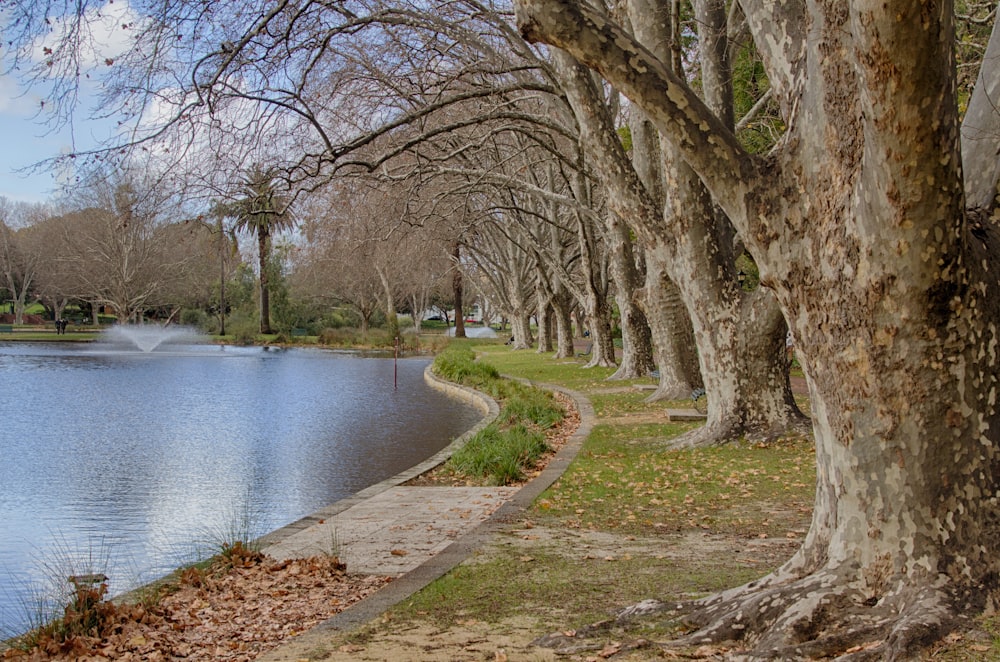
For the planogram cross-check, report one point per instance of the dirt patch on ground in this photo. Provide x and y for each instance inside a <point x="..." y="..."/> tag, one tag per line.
<point x="587" y="545"/>
<point x="529" y="636"/>
<point x="657" y="418"/>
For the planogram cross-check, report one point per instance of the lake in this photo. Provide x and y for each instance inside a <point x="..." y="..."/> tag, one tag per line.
<point x="133" y="463"/>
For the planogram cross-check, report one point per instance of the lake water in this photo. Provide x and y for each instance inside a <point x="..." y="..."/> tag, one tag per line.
<point x="133" y="463"/>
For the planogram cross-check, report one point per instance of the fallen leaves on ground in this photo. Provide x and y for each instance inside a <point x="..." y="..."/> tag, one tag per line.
<point x="232" y="614"/>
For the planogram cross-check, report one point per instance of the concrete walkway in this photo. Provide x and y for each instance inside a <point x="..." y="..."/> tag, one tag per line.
<point x="415" y="534"/>
<point x="397" y="531"/>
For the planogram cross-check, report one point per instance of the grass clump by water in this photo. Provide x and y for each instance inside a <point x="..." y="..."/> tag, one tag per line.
<point x="500" y="455"/>
<point x="502" y="452"/>
<point x="458" y="364"/>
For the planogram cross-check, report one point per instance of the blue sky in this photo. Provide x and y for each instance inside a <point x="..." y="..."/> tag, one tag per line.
<point x="25" y="139"/>
<point x="24" y="142"/>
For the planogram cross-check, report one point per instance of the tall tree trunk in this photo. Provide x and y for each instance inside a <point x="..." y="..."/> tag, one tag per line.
<point x="673" y="336"/>
<point x="264" y="253"/>
<point x="700" y="258"/>
<point x="457" y="289"/>
<point x="544" y="316"/>
<point x="637" y="348"/>
<point x="562" y="304"/>
<point x="595" y="298"/>
<point x="602" y="348"/>
<point x="520" y="326"/>
<point x="857" y="221"/>
<point x="670" y="326"/>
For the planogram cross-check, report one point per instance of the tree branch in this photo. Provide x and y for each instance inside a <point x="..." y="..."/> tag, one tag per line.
<point x="711" y="149"/>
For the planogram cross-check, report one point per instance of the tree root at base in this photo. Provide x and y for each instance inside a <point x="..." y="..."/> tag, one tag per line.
<point x="819" y="616"/>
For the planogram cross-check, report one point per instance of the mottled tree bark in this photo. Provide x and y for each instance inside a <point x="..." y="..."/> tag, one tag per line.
<point x="593" y="295"/>
<point x="745" y="378"/>
<point x="637" y="348"/>
<point x="673" y="336"/>
<point x="669" y="323"/>
<point x="857" y="221"/>
<point x="562" y="303"/>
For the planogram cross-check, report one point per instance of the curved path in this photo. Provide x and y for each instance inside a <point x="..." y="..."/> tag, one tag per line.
<point x="414" y="533"/>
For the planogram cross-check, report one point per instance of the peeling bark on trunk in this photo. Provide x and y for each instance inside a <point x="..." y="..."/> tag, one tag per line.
<point x="520" y="325"/>
<point x="562" y="304"/>
<point x="857" y="221"/>
<point x="697" y="251"/>
<point x="594" y="296"/>
<point x="673" y="336"/>
<point x="602" y="349"/>
<point x="740" y="336"/>
<point x="669" y="324"/>
<point x="637" y="348"/>
<point x="542" y="314"/>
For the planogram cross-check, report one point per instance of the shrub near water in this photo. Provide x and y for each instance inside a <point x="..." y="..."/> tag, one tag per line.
<point x="500" y="455"/>
<point x="503" y="450"/>
<point x="459" y="365"/>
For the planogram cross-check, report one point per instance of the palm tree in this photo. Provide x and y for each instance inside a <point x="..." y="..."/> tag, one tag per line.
<point x="262" y="211"/>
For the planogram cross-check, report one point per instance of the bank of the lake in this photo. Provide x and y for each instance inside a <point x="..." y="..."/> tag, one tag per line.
<point x="136" y="463"/>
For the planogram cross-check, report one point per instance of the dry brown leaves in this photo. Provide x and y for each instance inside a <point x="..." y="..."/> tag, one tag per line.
<point x="237" y="613"/>
<point x="233" y="615"/>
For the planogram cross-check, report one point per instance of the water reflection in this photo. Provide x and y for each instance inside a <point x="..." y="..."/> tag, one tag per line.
<point x="148" y="452"/>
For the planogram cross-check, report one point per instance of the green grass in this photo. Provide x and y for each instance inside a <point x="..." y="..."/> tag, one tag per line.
<point x="502" y="452"/>
<point x="617" y="512"/>
<point x="530" y="365"/>
<point x="33" y="334"/>
<point x="556" y="590"/>
<point x="624" y="481"/>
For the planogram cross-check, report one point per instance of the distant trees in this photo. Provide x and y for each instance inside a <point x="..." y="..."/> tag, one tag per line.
<point x="21" y="253"/>
<point x="362" y="250"/>
<point x="112" y="245"/>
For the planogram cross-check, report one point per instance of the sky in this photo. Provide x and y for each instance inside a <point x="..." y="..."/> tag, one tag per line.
<point x="23" y="141"/>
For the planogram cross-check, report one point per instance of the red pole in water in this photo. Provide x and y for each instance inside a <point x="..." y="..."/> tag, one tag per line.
<point x="395" y="367"/>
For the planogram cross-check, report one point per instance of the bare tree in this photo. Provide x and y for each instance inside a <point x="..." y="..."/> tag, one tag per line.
<point x="740" y="335"/>
<point x="21" y="255"/>
<point x="114" y="250"/>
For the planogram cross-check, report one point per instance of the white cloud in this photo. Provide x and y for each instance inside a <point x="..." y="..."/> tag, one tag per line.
<point x="103" y="35"/>
<point x="13" y="99"/>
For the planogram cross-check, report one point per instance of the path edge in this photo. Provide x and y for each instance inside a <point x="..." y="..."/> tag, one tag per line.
<point x="373" y="606"/>
<point x="486" y="405"/>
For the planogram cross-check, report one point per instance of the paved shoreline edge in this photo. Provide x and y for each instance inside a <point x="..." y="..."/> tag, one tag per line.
<point x="402" y="587"/>
<point x="487" y="405"/>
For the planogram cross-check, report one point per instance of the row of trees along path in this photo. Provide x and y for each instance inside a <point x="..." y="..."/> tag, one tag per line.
<point x="869" y="214"/>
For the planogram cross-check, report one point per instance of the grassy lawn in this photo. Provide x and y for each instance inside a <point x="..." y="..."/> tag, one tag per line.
<point x="629" y="520"/>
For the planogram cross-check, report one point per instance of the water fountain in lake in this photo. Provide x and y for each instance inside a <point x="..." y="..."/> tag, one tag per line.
<point x="149" y="337"/>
